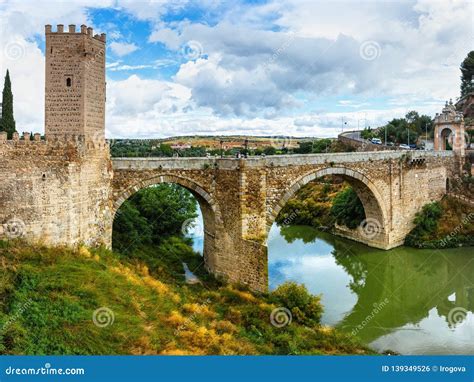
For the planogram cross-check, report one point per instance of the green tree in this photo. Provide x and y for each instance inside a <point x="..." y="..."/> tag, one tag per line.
<point x="322" y="145"/>
<point x="269" y="150"/>
<point x="8" y="122"/>
<point x="467" y="73"/>
<point x="153" y="214"/>
<point x="347" y="208"/>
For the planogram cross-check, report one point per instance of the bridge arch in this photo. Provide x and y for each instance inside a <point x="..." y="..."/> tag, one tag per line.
<point x="209" y="208"/>
<point x="375" y="229"/>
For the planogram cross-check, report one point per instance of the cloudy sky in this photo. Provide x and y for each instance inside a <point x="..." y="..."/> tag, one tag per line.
<point x="249" y="67"/>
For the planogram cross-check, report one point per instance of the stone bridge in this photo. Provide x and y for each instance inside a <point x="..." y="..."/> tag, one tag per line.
<point x="65" y="189"/>
<point x="240" y="198"/>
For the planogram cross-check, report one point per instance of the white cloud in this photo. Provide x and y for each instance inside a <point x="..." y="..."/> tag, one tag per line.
<point x="253" y="77"/>
<point x="122" y="48"/>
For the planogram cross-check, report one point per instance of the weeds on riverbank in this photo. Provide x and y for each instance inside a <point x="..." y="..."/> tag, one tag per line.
<point x="94" y="301"/>
<point x="448" y="223"/>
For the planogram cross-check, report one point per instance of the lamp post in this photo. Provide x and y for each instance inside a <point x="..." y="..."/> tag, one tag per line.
<point x="342" y="124"/>
<point x="246" y="145"/>
<point x="222" y="151"/>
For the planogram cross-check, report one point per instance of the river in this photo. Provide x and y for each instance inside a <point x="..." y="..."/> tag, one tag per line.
<point x="405" y="300"/>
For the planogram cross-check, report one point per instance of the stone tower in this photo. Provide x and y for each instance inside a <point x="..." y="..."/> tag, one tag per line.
<point x="75" y="84"/>
<point x="449" y="132"/>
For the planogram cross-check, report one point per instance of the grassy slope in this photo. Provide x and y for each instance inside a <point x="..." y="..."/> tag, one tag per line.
<point x="48" y="296"/>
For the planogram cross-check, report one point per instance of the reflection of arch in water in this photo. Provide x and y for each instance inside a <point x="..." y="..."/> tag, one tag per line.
<point x="209" y="208"/>
<point x="372" y="201"/>
<point x="413" y="282"/>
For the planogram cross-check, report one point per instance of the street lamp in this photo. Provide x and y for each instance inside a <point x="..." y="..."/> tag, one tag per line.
<point x="342" y="124"/>
<point x="426" y="136"/>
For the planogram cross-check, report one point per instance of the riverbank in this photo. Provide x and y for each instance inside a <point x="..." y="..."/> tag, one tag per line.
<point x="95" y="301"/>
<point x="448" y="223"/>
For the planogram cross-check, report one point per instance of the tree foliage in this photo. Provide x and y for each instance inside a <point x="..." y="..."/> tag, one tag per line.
<point x="151" y="215"/>
<point x="347" y="208"/>
<point x="467" y="73"/>
<point x="403" y="130"/>
<point x="7" y="122"/>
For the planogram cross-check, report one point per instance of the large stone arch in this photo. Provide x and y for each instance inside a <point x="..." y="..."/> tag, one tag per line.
<point x="374" y="231"/>
<point x="209" y="207"/>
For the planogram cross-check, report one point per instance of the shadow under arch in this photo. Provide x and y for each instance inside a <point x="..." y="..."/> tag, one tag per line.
<point x="374" y="208"/>
<point x="209" y="208"/>
<point x="446" y="137"/>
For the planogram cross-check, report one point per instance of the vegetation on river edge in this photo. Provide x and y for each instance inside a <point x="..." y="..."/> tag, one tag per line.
<point x="445" y="224"/>
<point x="322" y="203"/>
<point x="48" y="297"/>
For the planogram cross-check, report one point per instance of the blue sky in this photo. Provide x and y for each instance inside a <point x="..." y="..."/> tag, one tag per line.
<point x="249" y="67"/>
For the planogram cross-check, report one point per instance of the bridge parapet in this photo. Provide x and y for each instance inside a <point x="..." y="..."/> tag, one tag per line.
<point x="200" y="163"/>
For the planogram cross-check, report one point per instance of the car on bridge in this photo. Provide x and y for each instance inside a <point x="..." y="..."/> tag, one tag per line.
<point x="376" y="141"/>
<point x="404" y="146"/>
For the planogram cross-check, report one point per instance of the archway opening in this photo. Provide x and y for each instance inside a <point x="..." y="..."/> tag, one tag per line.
<point x="163" y="225"/>
<point x="446" y="139"/>
<point x="304" y="245"/>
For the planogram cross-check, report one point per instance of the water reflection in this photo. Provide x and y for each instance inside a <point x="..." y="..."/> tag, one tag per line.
<point x="404" y="299"/>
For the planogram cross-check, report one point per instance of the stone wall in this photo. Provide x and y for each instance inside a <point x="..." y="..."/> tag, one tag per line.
<point x="54" y="192"/>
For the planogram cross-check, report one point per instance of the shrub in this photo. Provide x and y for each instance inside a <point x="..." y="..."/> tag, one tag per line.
<point x="305" y="307"/>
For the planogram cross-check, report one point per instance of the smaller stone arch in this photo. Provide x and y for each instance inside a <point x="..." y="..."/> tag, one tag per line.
<point x="209" y="208"/>
<point x="368" y="193"/>
<point x="445" y="134"/>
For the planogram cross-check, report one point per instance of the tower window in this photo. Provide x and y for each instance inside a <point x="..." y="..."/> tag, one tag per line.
<point x="68" y="82"/>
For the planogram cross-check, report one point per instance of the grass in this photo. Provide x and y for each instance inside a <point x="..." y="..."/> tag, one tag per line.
<point x="48" y="297"/>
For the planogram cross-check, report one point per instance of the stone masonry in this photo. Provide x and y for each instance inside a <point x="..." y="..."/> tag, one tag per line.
<point x="65" y="190"/>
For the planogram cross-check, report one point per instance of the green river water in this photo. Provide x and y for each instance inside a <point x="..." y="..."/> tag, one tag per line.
<point x="406" y="300"/>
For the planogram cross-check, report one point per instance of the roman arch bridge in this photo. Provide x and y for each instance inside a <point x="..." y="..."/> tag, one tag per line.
<point x="65" y="189"/>
<point x="240" y="198"/>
